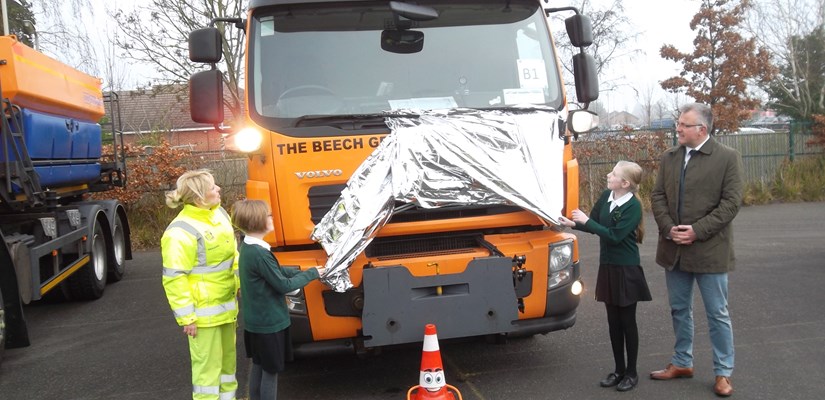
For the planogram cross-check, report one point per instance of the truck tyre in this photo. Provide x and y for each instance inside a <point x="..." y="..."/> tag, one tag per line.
<point x="2" y="327"/>
<point x="90" y="280"/>
<point x="117" y="264"/>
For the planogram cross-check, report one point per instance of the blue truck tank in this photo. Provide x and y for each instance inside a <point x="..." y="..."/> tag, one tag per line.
<point x="65" y="151"/>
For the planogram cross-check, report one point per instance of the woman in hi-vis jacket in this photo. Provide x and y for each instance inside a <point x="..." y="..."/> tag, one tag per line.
<point x="200" y="277"/>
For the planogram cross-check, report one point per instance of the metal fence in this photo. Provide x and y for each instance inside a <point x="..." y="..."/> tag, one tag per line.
<point x="762" y="153"/>
<point x="228" y="172"/>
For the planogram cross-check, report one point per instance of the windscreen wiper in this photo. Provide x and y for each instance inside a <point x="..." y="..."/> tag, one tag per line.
<point x="350" y="122"/>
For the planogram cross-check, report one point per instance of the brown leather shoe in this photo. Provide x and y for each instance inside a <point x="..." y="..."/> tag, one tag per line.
<point x="671" y="372"/>
<point x="723" y="387"/>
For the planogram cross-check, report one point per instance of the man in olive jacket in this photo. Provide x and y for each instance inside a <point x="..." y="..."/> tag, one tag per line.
<point x="698" y="193"/>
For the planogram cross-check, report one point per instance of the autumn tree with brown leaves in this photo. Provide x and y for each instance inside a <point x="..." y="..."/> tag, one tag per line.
<point x="722" y="65"/>
<point x="818" y="130"/>
<point x="151" y="169"/>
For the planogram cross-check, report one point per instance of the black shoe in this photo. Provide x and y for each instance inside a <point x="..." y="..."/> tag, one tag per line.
<point x="627" y="383"/>
<point x="612" y="380"/>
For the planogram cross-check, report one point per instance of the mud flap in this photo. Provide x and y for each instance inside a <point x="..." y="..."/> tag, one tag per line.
<point x="479" y="301"/>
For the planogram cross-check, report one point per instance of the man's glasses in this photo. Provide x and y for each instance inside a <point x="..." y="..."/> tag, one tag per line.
<point x="685" y="126"/>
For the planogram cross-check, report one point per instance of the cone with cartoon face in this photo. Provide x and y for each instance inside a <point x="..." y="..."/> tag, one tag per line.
<point x="431" y="384"/>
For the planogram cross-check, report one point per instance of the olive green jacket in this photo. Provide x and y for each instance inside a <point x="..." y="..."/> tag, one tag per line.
<point x="713" y="190"/>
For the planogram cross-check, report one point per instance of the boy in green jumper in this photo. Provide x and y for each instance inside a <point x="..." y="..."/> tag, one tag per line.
<point x="264" y="284"/>
<point x="617" y="219"/>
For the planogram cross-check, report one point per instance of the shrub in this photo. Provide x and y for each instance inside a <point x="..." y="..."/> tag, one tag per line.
<point x="153" y="170"/>
<point x="801" y="180"/>
<point x="758" y="192"/>
<point x="598" y="152"/>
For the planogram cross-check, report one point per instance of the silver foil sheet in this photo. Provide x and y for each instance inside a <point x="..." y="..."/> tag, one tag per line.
<point x="445" y="158"/>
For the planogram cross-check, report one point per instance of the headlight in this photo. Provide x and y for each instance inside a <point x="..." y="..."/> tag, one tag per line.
<point x="561" y="256"/>
<point x="559" y="263"/>
<point x="296" y="302"/>
<point x="248" y="140"/>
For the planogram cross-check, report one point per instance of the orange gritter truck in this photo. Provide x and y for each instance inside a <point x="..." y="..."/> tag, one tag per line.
<point x="463" y="101"/>
<point x="56" y="240"/>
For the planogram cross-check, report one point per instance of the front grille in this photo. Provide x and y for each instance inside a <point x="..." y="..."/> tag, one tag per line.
<point x="430" y="214"/>
<point x="388" y="248"/>
<point x="322" y="198"/>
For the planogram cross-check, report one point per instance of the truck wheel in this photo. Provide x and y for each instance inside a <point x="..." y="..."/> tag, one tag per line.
<point x="90" y="280"/>
<point x="2" y="327"/>
<point x="117" y="265"/>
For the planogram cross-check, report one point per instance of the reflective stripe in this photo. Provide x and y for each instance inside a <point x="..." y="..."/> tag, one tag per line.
<point x="222" y="266"/>
<point x="173" y="272"/>
<point x="215" y="310"/>
<point x="213" y="390"/>
<point x="184" y="311"/>
<point x="227" y="378"/>
<point x="228" y="395"/>
<point x="201" y="267"/>
<point x="194" y="232"/>
<point x="225" y="214"/>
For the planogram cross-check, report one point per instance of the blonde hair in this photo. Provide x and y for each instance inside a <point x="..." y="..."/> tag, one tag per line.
<point x="250" y="216"/>
<point x="191" y="188"/>
<point x="632" y="174"/>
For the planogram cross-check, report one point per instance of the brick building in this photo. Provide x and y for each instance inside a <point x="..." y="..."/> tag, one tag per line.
<point x="164" y="110"/>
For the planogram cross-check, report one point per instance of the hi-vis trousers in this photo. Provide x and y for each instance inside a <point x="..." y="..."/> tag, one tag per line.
<point x="213" y="363"/>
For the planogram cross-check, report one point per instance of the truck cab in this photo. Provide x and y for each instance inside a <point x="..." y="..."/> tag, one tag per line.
<point x="324" y="83"/>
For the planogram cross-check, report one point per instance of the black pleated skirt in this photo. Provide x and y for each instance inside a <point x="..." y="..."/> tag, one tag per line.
<point x="621" y="285"/>
<point x="269" y="350"/>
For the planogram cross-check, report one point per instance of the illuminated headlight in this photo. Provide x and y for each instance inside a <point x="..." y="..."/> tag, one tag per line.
<point x="576" y="288"/>
<point x="296" y="302"/>
<point x="248" y="140"/>
<point x="561" y="259"/>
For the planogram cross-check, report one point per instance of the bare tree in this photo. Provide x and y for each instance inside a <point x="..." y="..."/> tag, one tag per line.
<point x="598" y="108"/>
<point x="786" y="28"/>
<point x="661" y="109"/>
<point x="675" y="102"/>
<point x="61" y="36"/>
<point x="114" y="72"/>
<point x="156" y="33"/>
<point x="647" y="97"/>
<point x="611" y="39"/>
<point x="74" y="33"/>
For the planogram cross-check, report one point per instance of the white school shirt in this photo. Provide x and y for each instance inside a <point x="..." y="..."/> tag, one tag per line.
<point x="618" y="202"/>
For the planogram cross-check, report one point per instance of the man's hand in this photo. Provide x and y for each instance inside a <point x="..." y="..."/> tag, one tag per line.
<point x="683" y="234"/>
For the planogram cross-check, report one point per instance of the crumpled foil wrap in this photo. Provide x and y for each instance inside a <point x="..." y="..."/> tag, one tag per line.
<point x="444" y="158"/>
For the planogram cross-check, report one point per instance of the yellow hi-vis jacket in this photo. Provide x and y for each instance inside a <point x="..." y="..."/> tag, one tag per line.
<point x="200" y="267"/>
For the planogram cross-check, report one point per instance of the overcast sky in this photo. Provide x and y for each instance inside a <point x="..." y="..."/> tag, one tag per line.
<point x="659" y="22"/>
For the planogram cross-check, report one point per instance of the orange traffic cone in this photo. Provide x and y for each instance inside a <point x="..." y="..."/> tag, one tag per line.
<point x="432" y="385"/>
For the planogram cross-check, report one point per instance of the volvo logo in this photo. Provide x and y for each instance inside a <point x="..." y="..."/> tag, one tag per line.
<point x="319" y="174"/>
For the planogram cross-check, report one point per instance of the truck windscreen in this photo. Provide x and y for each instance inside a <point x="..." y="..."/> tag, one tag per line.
<point x="328" y="59"/>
